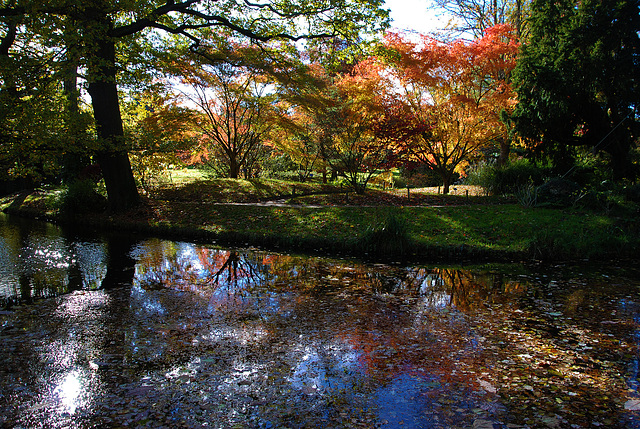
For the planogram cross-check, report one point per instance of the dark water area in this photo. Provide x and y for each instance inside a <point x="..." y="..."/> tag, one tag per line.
<point x="118" y="331"/>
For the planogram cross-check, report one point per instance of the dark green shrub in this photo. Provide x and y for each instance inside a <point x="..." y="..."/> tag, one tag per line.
<point x="399" y="182"/>
<point x="632" y="193"/>
<point x="557" y="192"/>
<point x="610" y="197"/>
<point x="514" y="176"/>
<point x="587" y="176"/>
<point x="507" y="179"/>
<point x="82" y="196"/>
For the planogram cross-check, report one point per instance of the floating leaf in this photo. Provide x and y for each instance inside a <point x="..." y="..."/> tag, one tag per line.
<point x="482" y="424"/>
<point x="632" y="405"/>
<point x="487" y="386"/>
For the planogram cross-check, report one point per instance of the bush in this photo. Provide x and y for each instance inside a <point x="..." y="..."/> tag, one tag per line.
<point x="610" y="198"/>
<point x="280" y="167"/>
<point x="151" y="169"/>
<point x="81" y="196"/>
<point x="558" y="192"/>
<point x="399" y="182"/>
<point x="507" y="179"/>
<point x="589" y="171"/>
<point x="632" y="193"/>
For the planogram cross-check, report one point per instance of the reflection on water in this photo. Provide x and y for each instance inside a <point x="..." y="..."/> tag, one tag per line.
<point x="167" y="334"/>
<point x="38" y="261"/>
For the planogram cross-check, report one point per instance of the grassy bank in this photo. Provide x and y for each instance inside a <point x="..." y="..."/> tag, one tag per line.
<point x="380" y="225"/>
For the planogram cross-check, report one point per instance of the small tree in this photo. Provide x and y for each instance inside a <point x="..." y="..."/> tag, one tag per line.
<point x="336" y="115"/>
<point x="158" y="129"/>
<point x="233" y="109"/>
<point x="298" y="136"/>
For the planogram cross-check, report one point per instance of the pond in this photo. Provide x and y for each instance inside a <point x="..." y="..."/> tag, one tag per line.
<point x="118" y="331"/>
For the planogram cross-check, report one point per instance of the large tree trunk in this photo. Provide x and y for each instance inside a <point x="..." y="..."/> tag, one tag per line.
<point x="234" y="169"/>
<point x="113" y="158"/>
<point x="446" y="181"/>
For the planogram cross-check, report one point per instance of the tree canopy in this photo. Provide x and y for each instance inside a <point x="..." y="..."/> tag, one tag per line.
<point x="109" y="38"/>
<point x="299" y="77"/>
<point x="453" y="94"/>
<point x="577" y="81"/>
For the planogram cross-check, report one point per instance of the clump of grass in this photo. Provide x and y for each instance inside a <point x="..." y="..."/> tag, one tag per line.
<point x="527" y="195"/>
<point x="389" y="238"/>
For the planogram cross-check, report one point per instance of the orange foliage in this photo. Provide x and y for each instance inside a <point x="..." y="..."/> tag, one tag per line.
<point x="460" y="88"/>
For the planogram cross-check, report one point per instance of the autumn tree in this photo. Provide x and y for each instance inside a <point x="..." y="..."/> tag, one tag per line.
<point x="297" y="135"/>
<point x="352" y="147"/>
<point x="577" y="82"/>
<point x="302" y="130"/>
<point x="336" y="113"/>
<point x="158" y="129"/>
<point x="234" y="109"/>
<point x="113" y="37"/>
<point x="452" y="94"/>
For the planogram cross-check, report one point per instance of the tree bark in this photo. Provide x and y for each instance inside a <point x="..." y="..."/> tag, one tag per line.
<point x="446" y="183"/>
<point x="113" y="158"/>
<point x="75" y="156"/>
<point x="234" y="167"/>
<point x="505" y="150"/>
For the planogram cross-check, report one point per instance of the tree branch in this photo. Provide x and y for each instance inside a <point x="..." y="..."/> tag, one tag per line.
<point x="211" y="20"/>
<point x="8" y="40"/>
<point x="151" y="19"/>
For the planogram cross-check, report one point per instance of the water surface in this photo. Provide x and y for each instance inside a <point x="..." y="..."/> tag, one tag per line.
<point x="113" y="331"/>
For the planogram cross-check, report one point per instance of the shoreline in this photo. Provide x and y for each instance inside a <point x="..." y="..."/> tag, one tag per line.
<point x="457" y="234"/>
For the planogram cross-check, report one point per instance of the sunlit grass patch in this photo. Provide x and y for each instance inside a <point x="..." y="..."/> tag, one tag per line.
<point x="185" y="175"/>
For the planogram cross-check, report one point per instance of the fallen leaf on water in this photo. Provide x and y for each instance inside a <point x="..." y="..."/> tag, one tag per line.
<point x="482" y="424"/>
<point x="487" y="386"/>
<point x="632" y="404"/>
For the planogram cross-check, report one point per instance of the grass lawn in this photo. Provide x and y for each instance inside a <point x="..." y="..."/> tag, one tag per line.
<point x="393" y="224"/>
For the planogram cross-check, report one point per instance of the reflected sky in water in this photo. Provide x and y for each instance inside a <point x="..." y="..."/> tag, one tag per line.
<point x="191" y="334"/>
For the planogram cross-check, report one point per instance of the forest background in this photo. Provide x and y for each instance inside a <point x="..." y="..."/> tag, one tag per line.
<point x="104" y="102"/>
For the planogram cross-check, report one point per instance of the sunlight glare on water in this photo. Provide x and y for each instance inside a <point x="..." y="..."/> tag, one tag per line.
<point x="69" y="391"/>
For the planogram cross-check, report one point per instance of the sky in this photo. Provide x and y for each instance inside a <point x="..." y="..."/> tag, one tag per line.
<point x="414" y="15"/>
